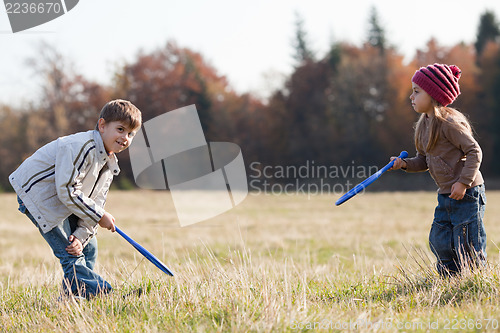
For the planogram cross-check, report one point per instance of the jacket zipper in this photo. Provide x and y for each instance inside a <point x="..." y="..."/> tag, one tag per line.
<point x="97" y="181"/>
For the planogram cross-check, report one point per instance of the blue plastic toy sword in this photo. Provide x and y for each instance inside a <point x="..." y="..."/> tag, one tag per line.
<point x="145" y="253"/>
<point x="361" y="186"/>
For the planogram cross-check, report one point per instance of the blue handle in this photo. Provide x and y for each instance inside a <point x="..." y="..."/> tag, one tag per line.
<point x="404" y="154"/>
<point x="145" y="253"/>
<point x="361" y="186"/>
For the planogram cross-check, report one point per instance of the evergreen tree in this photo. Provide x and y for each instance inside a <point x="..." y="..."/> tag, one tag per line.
<point x="376" y="33"/>
<point x="488" y="31"/>
<point x="302" y="51"/>
<point x="495" y="121"/>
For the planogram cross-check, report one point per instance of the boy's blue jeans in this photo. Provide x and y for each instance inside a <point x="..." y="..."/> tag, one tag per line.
<point x="79" y="276"/>
<point x="457" y="236"/>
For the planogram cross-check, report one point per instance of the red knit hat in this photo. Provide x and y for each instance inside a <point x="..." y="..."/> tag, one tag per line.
<point x="439" y="81"/>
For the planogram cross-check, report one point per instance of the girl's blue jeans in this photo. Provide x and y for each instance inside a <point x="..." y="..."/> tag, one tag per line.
<point x="457" y="236"/>
<point x="79" y="276"/>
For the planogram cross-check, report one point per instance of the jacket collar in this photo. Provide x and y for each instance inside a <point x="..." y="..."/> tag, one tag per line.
<point x="103" y="156"/>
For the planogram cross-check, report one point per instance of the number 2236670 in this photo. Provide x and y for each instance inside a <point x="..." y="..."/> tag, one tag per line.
<point x="14" y="7"/>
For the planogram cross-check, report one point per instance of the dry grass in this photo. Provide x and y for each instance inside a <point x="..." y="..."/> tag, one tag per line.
<point x="274" y="263"/>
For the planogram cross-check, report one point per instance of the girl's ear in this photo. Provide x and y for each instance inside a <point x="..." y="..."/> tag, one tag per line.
<point x="436" y="103"/>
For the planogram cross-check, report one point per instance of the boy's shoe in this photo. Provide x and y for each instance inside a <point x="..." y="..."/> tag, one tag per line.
<point x="78" y="298"/>
<point x="136" y="292"/>
<point x="65" y="297"/>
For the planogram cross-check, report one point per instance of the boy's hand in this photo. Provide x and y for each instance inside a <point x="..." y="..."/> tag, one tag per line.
<point x="398" y="163"/>
<point x="458" y="191"/>
<point x="107" y="222"/>
<point x="75" y="248"/>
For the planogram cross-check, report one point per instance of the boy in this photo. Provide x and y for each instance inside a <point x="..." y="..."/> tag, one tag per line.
<point x="62" y="189"/>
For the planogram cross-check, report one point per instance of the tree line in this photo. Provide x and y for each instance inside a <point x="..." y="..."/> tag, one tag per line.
<point x="350" y="104"/>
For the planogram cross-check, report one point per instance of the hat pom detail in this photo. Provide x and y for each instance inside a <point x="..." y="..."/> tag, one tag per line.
<point x="456" y="71"/>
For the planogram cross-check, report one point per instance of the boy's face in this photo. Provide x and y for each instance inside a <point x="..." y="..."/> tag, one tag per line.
<point x="116" y="135"/>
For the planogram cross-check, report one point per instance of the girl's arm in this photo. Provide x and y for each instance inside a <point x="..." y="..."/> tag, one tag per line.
<point x="464" y="141"/>
<point x="416" y="164"/>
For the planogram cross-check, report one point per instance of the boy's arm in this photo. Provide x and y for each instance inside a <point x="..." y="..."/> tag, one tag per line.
<point x="71" y="168"/>
<point x="85" y="231"/>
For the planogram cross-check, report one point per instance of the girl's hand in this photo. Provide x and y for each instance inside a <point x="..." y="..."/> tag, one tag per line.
<point x="458" y="191"/>
<point x="75" y="248"/>
<point x="398" y="164"/>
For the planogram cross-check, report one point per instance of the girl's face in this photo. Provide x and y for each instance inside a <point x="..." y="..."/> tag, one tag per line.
<point x="420" y="100"/>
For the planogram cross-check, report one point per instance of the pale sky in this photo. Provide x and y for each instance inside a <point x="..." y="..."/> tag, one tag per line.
<point x="246" y="41"/>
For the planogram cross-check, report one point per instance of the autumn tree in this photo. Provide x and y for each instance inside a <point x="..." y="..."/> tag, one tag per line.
<point x="168" y="78"/>
<point x="66" y="103"/>
<point x="343" y="107"/>
<point x="305" y="107"/>
<point x="171" y="77"/>
<point x="433" y="53"/>
<point x="487" y="48"/>
<point x="12" y="132"/>
<point x="349" y="104"/>
<point x="488" y="105"/>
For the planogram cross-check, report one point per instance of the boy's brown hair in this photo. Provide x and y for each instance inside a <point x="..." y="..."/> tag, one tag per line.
<point x="121" y="110"/>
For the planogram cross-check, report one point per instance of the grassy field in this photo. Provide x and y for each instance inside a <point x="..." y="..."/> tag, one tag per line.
<point x="274" y="263"/>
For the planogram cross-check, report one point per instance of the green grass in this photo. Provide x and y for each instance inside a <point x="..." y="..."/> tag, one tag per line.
<point x="274" y="263"/>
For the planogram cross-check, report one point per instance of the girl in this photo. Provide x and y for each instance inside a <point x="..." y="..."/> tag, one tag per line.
<point x="446" y="147"/>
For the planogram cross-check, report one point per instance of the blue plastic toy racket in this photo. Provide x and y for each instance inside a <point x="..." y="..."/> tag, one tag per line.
<point x="145" y="253"/>
<point x="361" y="186"/>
